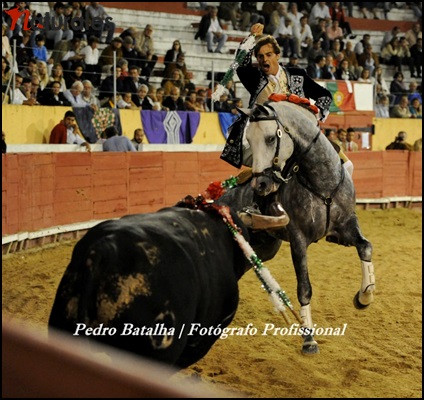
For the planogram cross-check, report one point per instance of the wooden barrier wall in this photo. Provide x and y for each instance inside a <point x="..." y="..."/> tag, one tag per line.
<point x="42" y="190"/>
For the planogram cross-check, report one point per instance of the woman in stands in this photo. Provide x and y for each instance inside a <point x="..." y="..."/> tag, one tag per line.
<point x="171" y="54"/>
<point x="57" y="75"/>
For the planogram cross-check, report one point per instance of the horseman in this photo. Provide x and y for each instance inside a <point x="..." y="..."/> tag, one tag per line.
<point x="270" y="77"/>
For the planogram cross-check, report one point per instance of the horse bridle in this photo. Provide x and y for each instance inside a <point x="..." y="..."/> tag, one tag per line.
<point x="292" y="163"/>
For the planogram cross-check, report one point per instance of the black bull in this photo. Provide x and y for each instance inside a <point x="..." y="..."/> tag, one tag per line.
<point x="159" y="285"/>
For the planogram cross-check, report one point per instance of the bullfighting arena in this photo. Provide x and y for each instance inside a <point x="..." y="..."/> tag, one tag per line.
<point x="379" y="353"/>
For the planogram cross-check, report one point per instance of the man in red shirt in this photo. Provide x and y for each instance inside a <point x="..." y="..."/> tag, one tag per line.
<point x="67" y="132"/>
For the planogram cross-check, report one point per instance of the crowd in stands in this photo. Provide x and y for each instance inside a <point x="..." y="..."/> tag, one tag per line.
<point x="76" y="67"/>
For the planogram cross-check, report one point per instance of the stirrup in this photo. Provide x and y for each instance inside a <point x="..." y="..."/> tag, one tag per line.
<point x="252" y="218"/>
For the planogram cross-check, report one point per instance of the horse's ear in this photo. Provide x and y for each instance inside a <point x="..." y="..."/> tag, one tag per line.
<point x="263" y="109"/>
<point x="245" y="111"/>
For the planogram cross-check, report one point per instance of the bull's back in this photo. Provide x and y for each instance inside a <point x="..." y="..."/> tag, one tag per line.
<point x="149" y="276"/>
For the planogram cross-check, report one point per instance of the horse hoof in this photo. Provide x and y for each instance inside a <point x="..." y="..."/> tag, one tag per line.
<point x="358" y="305"/>
<point x="310" y="349"/>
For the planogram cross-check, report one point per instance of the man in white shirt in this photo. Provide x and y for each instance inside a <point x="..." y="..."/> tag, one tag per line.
<point x="17" y="97"/>
<point x="73" y="95"/>
<point x="211" y="30"/>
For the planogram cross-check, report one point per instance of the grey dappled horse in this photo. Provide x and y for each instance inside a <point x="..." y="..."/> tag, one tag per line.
<point x="295" y="164"/>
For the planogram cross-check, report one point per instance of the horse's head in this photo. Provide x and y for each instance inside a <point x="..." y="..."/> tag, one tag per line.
<point x="270" y="145"/>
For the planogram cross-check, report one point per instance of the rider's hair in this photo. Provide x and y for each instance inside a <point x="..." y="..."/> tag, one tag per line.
<point x="267" y="40"/>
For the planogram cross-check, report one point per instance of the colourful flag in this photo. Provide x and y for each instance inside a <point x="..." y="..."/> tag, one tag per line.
<point x="225" y="120"/>
<point x="93" y="123"/>
<point x="172" y="127"/>
<point x="343" y="97"/>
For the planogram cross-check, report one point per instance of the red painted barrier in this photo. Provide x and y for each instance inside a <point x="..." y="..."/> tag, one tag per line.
<point x="42" y="190"/>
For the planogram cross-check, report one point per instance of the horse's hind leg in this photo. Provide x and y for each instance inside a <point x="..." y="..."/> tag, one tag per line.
<point x="351" y="235"/>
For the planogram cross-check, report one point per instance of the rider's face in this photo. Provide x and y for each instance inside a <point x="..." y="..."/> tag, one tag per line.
<point x="268" y="60"/>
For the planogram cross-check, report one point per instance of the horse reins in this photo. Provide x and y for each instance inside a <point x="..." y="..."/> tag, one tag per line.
<point x="292" y="164"/>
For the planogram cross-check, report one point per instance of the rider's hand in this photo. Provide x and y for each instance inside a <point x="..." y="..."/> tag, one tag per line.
<point x="257" y="29"/>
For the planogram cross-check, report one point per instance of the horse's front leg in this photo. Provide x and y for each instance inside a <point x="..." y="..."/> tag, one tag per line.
<point x="304" y="294"/>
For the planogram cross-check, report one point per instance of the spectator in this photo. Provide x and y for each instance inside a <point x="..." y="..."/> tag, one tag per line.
<point x="417" y="57"/>
<point x="391" y="54"/>
<point x="350" y="144"/>
<point x="210" y="30"/>
<point x="123" y="64"/>
<point x="176" y="81"/>
<point x="138" y="138"/>
<point x="365" y="76"/>
<point x="75" y="75"/>
<point x="171" y="55"/>
<point x="336" y="52"/>
<point x="53" y="96"/>
<point x="57" y="76"/>
<point x="222" y="105"/>
<point x="400" y="143"/>
<point x="160" y="95"/>
<point x="315" y="69"/>
<point x="315" y="51"/>
<point x="29" y="69"/>
<point x="88" y="95"/>
<point x="229" y="11"/>
<point x="278" y="11"/>
<point x="413" y="92"/>
<point x="416" y="109"/>
<point x="372" y="7"/>
<point x="133" y="81"/>
<point x="249" y="15"/>
<point x="73" y="95"/>
<point x="293" y="61"/>
<point x="319" y="32"/>
<point x="418" y="144"/>
<point x="174" y="102"/>
<point x="295" y="15"/>
<point x="130" y="53"/>
<point x="270" y="11"/>
<point x="319" y="11"/>
<point x="146" y="50"/>
<point x="388" y="36"/>
<point x="116" y="142"/>
<point x="17" y="97"/>
<point x="24" y="46"/>
<point x="6" y="73"/>
<point x="341" y="138"/>
<point x="285" y="37"/>
<point x="401" y="110"/>
<point x="67" y="132"/>
<point x="329" y="70"/>
<point x="331" y="135"/>
<point x="368" y="59"/>
<point x="91" y="56"/>
<point x="398" y="87"/>
<point x="201" y="100"/>
<point x="350" y="55"/>
<point x="3" y="143"/>
<point x="61" y="31"/>
<point x="106" y="57"/>
<point x="126" y="102"/>
<point x="95" y="10"/>
<point x="337" y="13"/>
<point x="190" y="102"/>
<point x="303" y="37"/>
<point x="412" y="35"/>
<point x="382" y="107"/>
<point x="380" y="84"/>
<point x="106" y="90"/>
<point x="360" y="46"/>
<point x="39" y="51"/>
<point x="73" y="56"/>
<point x="334" y="32"/>
<point x="76" y="10"/>
<point x="142" y="100"/>
<point x="178" y="64"/>
<point x="43" y="74"/>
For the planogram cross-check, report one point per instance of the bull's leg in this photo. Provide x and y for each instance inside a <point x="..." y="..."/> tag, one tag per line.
<point x="304" y="294"/>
